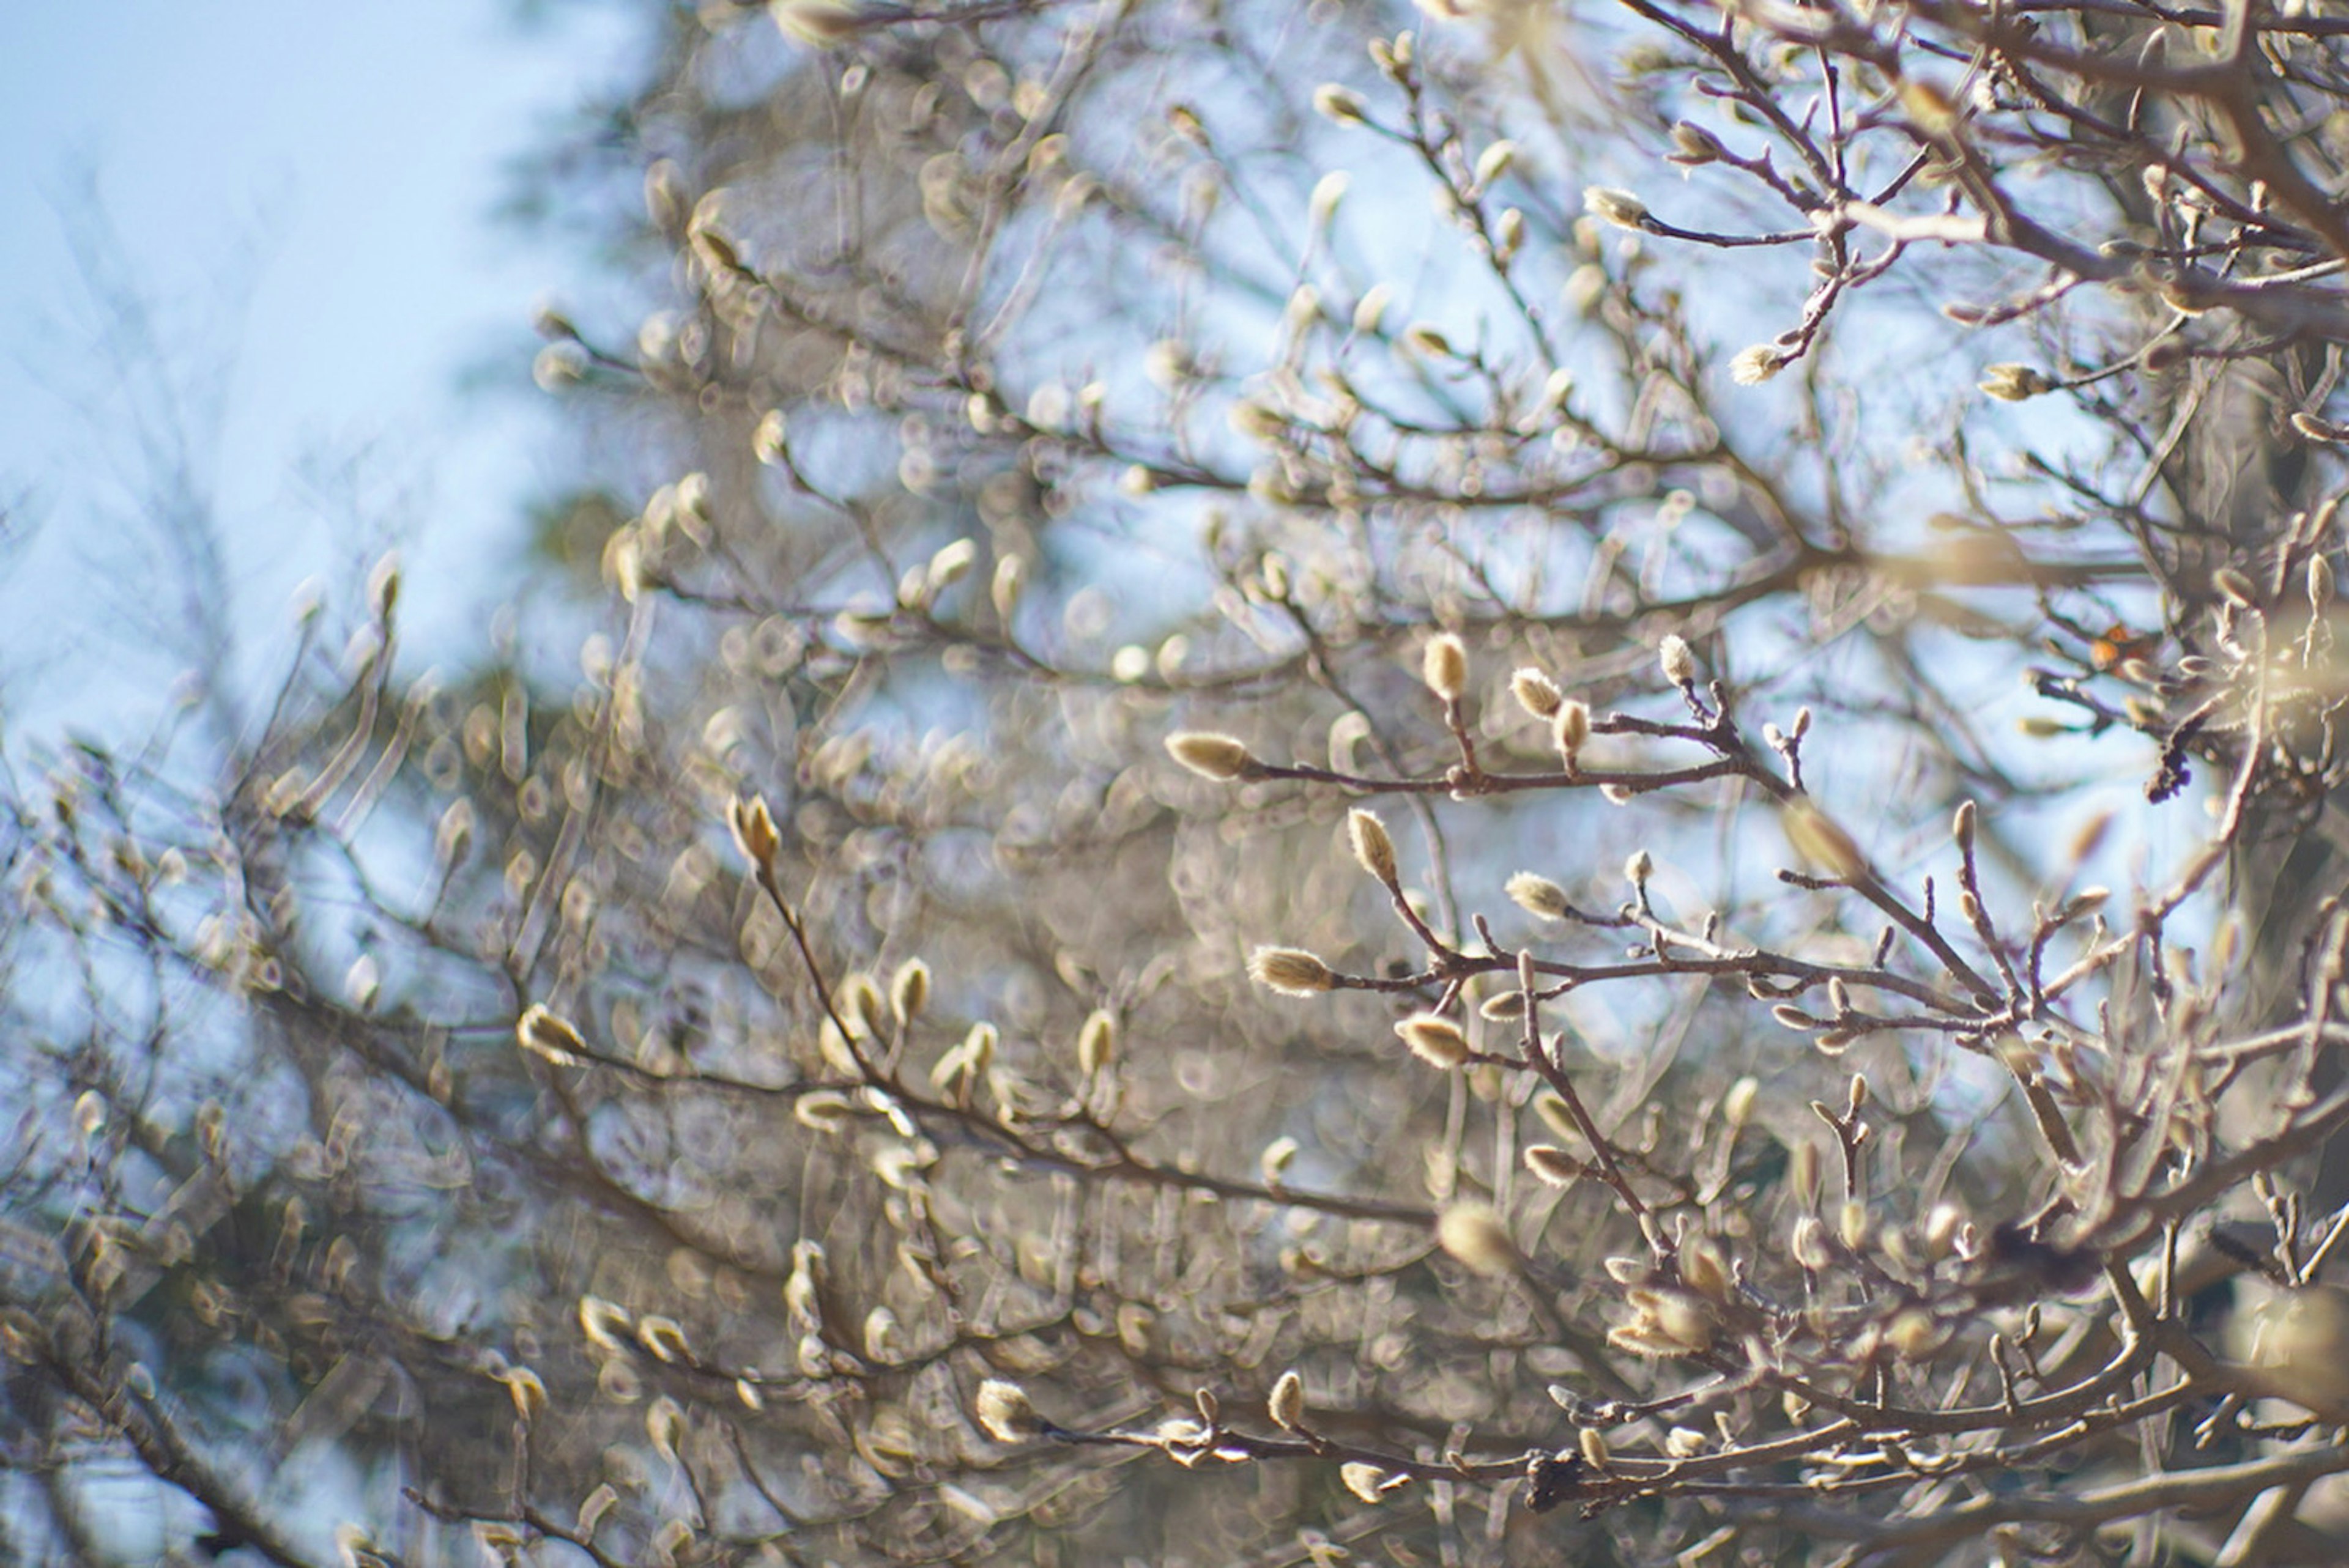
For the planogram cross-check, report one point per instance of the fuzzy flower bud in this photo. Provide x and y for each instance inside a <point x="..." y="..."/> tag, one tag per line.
<point x="1339" y="105"/>
<point x="1290" y="971"/>
<point x="1287" y="1405"/>
<point x="1222" y="757"/>
<point x="1445" y="666"/>
<point x="1537" y="693"/>
<point x="1570" y="729"/>
<point x="1538" y="895"/>
<point x="1678" y="661"/>
<point x="1620" y="208"/>
<point x="1435" y="1039"/>
<point x="1821" y="840"/>
<point x="1372" y="848"/>
<point x="2014" y="383"/>
<point x="1474" y="1235"/>
<point x="753" y="825"/>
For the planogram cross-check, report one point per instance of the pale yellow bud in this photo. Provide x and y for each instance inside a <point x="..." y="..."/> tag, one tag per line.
<point x="1552" y="1164"/>
<point x="1620" y="208"/>
<point x="1570" y="729"/>
<point x="1290" y="971"/>
<point x="1339" y="105"/>
<point x="1473" y="1234"/>
<point x="1435" y="1039"/>
<point x="1537" y="693"/>
<point x="1287" y="1405"/>
<point x="2014" y="383"/>
<point x="1096" y="1043"/>
<point x="753" y="826"/>
<point x="909" y="990"/>
<point x="1677" y="661"/>
<point x="1445" y="666"/>
<point x="1373" y="849"/>
<point x="1538" y="895"/>
<point x="1821" y="842"/>
<point x="1222" y="757"/>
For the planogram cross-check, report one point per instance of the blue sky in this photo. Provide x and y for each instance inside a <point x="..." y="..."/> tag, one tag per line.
<point x="304" y="196"/>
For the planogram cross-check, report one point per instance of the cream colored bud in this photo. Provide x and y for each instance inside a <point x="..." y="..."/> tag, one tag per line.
<point x="1290" y="971"/>
<point x="1675" y="658"/>
<point x="1810" y="1244"/>
<point x="1538" y="895"/>
<point x="1371" y="309"/>
<point x="1445" y="666"/>
<point x="1705" y="1269"/>
<point x="1328" y="191"/>
<point x="1222" y="757"/>
<point x="951" y="565"/>
<point x="1552" y="1164"/>
<point x="1373" y="849"/>
<point x="768" y="442"/>
<point x="1287" y="1405"/>
<point x="1096" y="1043"/>
<point x="1537" y="693"/>
<point x="1620" y="208"/>
<point x="1339" y="105"/>
<point x="1274" y="1162"/>
<point x="753" y="826"/>
<point x="1594" y="1448"/>
<point x="1961" y="827"/>
<point x="1851" y="1223"/>
<point x="1368" y="1482"/>
<point x="1010" y="580"/>
<point x="2012" y="383"/>
<point x="1638" y="867"/>
<point x="1570" y="729"/>
<point x="2236" y="587"/>
<point x="1692" y="144"/>
<point x="1006" y="1414"/>
<point x="1495" y="161"/>
<point x="2320" y="583"/>
<point x="1821" y="842"/>
<point x="1737" y="1105"/>
<point x="549" y="1035"/>
<point x="1435" y="1039"/>
<point x="909" y="990"/>
<point x="1751" y="367"/>
<point x="1472" y="1235"/>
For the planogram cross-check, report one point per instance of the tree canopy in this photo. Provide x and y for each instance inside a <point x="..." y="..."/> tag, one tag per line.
<point x="1512" y="783"/>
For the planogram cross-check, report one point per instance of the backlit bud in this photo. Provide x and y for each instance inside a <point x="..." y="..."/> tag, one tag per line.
<point x="1287" y="1405"/>
<point x="1538" y="895"/>
<point x="1474" y="1235"/>
<point x="1536" y="693"/>
<point x="1373" y="849"/>
<point x="1445" y="666"/>
<point x="1435" y="1039"/>
<point x="1290" y="971"/>
<point x="1620" y="208"/>
<point x="1222" y="757"/>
